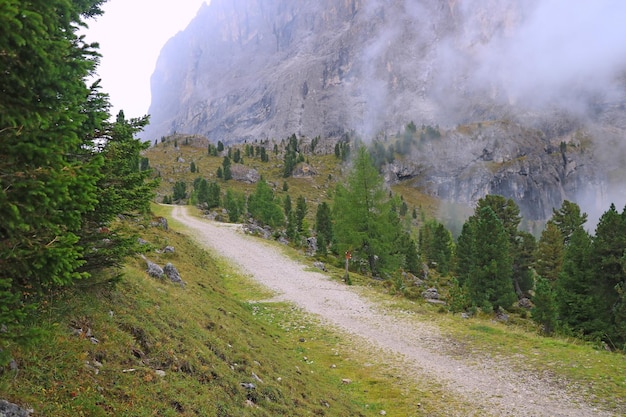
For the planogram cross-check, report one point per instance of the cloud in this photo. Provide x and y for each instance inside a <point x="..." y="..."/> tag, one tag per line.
<point x="559" y="52"/>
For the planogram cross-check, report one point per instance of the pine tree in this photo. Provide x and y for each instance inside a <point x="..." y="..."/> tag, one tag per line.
<point x="545" y="310"/>
<point x="263" y="207"/>
<point x="575" y="287"/>
<point x="227" y="174"/>
<point x="234" y="203"/>
<point x="549" y="253"/>
<point x="606" y="257"/>
<point x="179" y="191"/>
<point x="50" y="171"/>
<point x="301" y="210"/>
<point x="568" y="219"/>
<point x="485" y="265"/>
<point x="323" y="223"/>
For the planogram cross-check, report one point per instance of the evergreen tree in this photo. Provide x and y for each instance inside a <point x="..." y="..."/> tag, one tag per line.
<point x="124" y="188"/>
<point x="220" y="146"/>
<point x="545" y="310"/>
<point x="486" y="266"/>
<point x="287" y="205"/>
<point x="323" y="223"/>
<point x="436" y="245"/>
<point x="606" y="257"/>
<point x="179" y="191"/>
<point x="227" y="174"/>
<point x="549" y="254"/>
<point x="192" y="167"/>
<point x="363" y="224"/>
<point x="575" y="287"/>
<point x="568" y="219"/>
<point x="201" y="189"/>
<point x="234" y="203"/>
<point x="49" y="170"/>
<point x="301" y="210"/>
<point x="263" y="207"/>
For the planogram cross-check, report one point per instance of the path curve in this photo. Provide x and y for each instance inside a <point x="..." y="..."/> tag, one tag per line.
<point x="489" y="385"/>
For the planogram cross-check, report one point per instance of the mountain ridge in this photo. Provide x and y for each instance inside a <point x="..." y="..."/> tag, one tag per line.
<point x="266" y="69"/>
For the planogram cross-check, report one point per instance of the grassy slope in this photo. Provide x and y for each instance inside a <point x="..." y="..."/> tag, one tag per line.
<point x="209" y="339"/>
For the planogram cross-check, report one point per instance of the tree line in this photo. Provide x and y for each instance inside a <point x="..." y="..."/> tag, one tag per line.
<point x="575" y="281"/>
<point x="67" y="173"/>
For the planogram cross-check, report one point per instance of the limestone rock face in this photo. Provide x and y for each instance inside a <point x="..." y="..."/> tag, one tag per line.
<point x="491" y="73"/>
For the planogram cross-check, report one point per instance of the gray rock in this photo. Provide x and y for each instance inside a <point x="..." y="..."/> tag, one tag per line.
<point x="311" y="243"/>
<point x="169" y="249"/>
<point x="172" y="273"/>
<point x="244" y="174"/>
<point x="154" y="270"/>
<point x="431" y="294"/>
<point x="320" y="265"/>
<point x="160" y="222"/>
<point x="142" y="241"/>
<point x="8" y="409"/>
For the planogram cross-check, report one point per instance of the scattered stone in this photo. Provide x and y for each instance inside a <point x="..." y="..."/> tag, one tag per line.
<point x="333" y="366"/>
<point x="256" y="377"/>
<point x="465" y="315"/>
<point x="383" y="413"/>
<point x="172" y="273"/>
<point x="160" y="372"/>
<point x="250" y="403"/>
<point x="169" y="249"/>
<point x="142" y="241"/>
<point x="303" y="171"/>
<point x="248" y="385"/>
<point x="154" y="270"/>
<point x="346" y="381"/>
<point x="311" y="243"/>
<point x="128" y="370"/>
<point x="13" y="366"/>
<point x="94" y="340"/>
<point x="431" y="294"/>
<point x="8" y="409"/>
<point x="320" y="265"/>
<point x="160" y="222"/>
<point x="111" y="313"/>
<point x="502" y="316"/>
<point x="525" y="303"/>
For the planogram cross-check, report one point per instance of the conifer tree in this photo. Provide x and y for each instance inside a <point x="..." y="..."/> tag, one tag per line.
<point x="48" y="118"/>
<point x="300" y="213"/>
<point x="363" y="224"/>
<point x="323" y="223"/>
<point x="263" y="207"/>
<point x="545" y="310"/>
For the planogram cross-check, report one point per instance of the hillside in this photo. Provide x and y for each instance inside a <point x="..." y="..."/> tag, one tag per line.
<point x="143" y="346"/>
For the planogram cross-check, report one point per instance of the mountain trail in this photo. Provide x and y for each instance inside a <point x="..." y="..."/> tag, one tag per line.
<point x="486" y="382"/>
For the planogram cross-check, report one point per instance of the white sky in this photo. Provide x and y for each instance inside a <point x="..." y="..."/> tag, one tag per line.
<point x="131" y="34"/>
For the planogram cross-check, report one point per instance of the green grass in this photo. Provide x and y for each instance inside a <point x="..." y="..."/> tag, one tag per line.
<point x="208" y="338"/>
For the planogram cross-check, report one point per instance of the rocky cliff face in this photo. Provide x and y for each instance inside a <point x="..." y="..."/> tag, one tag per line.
<point x="256" y="69"/>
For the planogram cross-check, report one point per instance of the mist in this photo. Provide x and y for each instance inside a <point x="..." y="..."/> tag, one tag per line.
<point x="556" y="53"/>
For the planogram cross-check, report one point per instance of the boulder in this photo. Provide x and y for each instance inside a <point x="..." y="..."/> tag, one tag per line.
<point x="154" y="270"/>
<point x="8" y="409"/>
<point x="173" y="274"/>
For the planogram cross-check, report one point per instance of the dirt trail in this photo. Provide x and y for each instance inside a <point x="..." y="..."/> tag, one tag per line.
<point x="487" y="383"/>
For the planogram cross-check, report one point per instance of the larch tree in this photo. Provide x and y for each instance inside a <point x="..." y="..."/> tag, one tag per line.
<point x="363" y="219"/>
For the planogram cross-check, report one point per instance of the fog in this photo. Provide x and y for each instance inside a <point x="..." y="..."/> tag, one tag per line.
<point x="559" y="53"/>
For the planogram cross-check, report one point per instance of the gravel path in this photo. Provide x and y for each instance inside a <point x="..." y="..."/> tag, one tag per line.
<point x="485" y="382"/>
